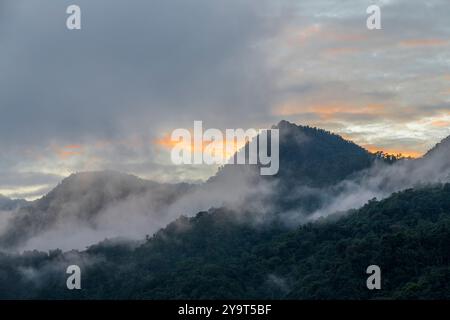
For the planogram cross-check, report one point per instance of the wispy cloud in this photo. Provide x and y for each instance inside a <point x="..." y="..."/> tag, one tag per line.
<point x="424" y="42"/>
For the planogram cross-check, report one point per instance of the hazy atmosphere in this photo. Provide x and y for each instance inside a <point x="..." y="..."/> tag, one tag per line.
<point x="103" y="97"/>
<point x="214" y="150"/>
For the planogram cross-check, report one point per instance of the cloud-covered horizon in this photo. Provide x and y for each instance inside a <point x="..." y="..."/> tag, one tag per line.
<point x="100" y="97"/>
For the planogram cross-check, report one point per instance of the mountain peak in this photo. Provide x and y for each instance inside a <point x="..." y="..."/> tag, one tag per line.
<point x="105" y="184"/>
<point x="101" y="174"/>
<point x="312" y="156"/>
<point x="441" y="147"/>
<point x="285" y="124"/>
<point x="86" y="198"/>
<point x="318" y="157"/>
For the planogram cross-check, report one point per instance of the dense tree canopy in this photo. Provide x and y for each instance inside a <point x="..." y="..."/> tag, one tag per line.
<point x="215" y="255"/>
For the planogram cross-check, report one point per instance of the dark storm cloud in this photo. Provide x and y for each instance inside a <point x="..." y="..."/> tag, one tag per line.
<point x="145" y="60"/>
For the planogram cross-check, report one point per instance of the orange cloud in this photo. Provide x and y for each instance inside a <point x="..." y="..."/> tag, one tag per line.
<point x="69" y="151"/>
<point x="317" y="31"/>
<point x="328" y="111"/>
<point x="441" y="123"/>
<point x="73" y="146"/>
<point x="165" y="142"/>
<point x="404" y="152"/>
<point x="423" y="43"/>
<point x="220" y="148"/>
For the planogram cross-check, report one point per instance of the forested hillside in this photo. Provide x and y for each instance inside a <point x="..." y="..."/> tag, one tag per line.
<point x="216" y="255"/>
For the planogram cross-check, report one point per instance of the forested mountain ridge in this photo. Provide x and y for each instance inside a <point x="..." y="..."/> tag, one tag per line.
<point x="81" y="198"/>
<point x="313" y="157"/>
<point x="308" y="233"/>
<point x="309" y="157"/>
<point x="213" y="256"/>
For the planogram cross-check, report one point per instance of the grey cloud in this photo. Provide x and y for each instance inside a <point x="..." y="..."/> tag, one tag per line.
<point x="135" y="68"/>
<point x="141" y="60"/>
<point x="141" y="67"/>
<point x="15" y="179"/>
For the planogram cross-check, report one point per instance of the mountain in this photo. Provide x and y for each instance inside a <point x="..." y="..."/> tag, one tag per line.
<point x="320" y="173"/>
<point x="308" y="157"/>
<point x="442" y="147"/>
<point x="228" y="251"/>
<point x="7" y="204"/>
<point x="212" y="256"/>
<point x="81" y="198"/>
<point x="316" y="157"/>
<point x="437" y="159"/>
<point x="313" y="157"/>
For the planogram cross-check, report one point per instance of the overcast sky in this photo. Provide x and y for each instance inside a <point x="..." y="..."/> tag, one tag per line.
<point x="101" y="97"/>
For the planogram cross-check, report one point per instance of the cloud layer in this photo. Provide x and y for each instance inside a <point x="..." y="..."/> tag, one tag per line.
<point x="98" y="98"/>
